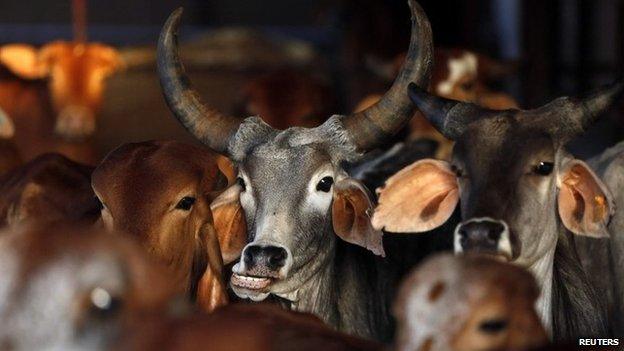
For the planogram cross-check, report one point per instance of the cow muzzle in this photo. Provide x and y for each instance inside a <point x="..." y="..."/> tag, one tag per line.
<point x="75" y="122"/>
<point x="485" y="236"/>
<point x="259" y="267"/>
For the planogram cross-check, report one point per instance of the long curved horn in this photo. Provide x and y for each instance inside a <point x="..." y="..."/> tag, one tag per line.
<point x="449" y="117"/>
<point x="370" y="127"/>
<point x="207" y="124"/>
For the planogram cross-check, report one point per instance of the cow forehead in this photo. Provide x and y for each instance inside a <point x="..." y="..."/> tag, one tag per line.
<point x="502" y="139"/>
<point x="155" y="167"/>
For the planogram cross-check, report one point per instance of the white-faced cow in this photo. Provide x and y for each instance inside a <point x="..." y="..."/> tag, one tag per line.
<point x="296" y="197"/>
<point x="468" y="303"/>
<point x="159" y="192"/>
<point x="522" y="196"/>
<point x="54" y="93"/>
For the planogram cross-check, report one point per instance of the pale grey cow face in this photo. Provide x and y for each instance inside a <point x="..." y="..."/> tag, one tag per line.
<point x="292" y="194"/>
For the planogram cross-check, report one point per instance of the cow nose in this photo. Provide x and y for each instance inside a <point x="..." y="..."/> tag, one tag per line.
<point x="480" y="235"/>
<point x="272" y="257"/>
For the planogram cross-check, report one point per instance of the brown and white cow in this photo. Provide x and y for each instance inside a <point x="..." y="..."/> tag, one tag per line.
<point x="49" y="188"/>
<point x="159" y="192"/>
<point x="64" y="288"/>
<point x="54" y="93"/>
<point x="468" y="303"/>
<point x="460" y="75"/>
<point x="522" y="196"/>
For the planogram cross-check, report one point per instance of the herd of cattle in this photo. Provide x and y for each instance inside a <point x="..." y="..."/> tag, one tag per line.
<point x="476" y="231"/>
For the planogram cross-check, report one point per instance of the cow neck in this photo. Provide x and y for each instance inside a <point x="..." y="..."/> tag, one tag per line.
<point x="542" y="270"/>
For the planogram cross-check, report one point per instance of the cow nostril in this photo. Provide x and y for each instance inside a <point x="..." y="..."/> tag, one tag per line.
<point x="463" y="232"/>
<point x="248" y="255"/>
<point x="494" y="234"/>
<point x="276" y="257"/>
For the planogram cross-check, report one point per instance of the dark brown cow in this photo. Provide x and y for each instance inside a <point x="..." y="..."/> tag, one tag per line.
<point x="250" y="327"/>
<point x="74" y="289"/>
<point x="46" y="189"/>
<point x="288" y="98"/>
<point x="468" y="303"/>
<point x="160" y="193"/>
<point x="54" y="93"/>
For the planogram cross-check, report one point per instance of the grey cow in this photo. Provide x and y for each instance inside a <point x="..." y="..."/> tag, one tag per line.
<point x="522" y="196"/>
<point x="296" y="198"/>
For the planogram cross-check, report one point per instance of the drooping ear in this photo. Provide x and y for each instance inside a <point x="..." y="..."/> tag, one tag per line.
<point x="227" y="167"/>
<point x="24" y="61"/>
<point x="211" y="291"/>
<point x="420" y="197"/>
<point x="585" y="204"/>
<point x="351" y="210"/>
<point x="229" y="223"/>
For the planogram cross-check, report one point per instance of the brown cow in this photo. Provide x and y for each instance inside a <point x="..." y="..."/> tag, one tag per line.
<point x="160" y="193"/>
<point x="54" y="93"/>
<point x="9" y="156"/>
<point x="46" y="189"/>
<point x="460" y="75"/>
<point x="288" y="98"/>
<point x="73" y="289"/>
<point x="250" y="327"/>
<point x="468" y="303"/>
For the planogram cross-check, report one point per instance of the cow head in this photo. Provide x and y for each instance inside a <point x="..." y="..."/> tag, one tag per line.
<point x="160" y="193"/>
<point x="468" y="303"/>
<point x="291" y="191"/>
<point x="76" y="74"/>
<point x="73" y="289"/>
<point x="49" y="188"/>
<point x="511" y="172"/>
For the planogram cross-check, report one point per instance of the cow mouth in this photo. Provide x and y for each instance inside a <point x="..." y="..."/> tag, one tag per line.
<point x="248" y="282"/>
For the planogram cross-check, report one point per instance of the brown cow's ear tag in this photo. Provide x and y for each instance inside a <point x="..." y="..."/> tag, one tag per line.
<point x="351" y="210"/>
<point x="585" y="204"/>
<point x="23" y="61"/>
<point x="229" y="223"/>
<point x="420" y="197"/>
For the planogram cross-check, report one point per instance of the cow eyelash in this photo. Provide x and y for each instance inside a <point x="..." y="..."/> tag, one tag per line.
<point x="543" y="168"/>
<point x="186" y="203"/>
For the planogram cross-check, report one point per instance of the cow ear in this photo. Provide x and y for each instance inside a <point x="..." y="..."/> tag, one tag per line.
<point x="420" y="197"/>
<point x="229" y="223"/>
<point x="585" y="204"/>
<point x="227" y="167"/>
<point x="23" y="61"/>
<point x="211" y="291"/>
<point x="351" y="210"/>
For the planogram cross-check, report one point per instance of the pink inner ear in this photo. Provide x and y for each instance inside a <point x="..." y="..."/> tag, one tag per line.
<point x="418" y="198"/>
<point x="584" y="203"/>
<point x="351" y="210"/>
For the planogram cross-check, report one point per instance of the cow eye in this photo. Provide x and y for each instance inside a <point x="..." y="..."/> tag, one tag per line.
<point x="325" y="184"/>
<point x="103" y="304"/>
<point x="241" y="183"/>
<point x="468" y="85"/>
<point x="543" y="168"/>
<point x="186" y="203"/>
<point x="493" y="326"/>
<point x="458" y="171"/>
<point x="100" y="204"/>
